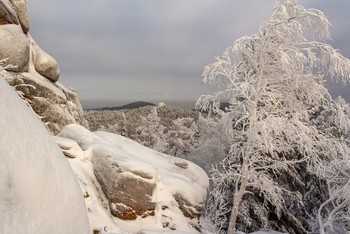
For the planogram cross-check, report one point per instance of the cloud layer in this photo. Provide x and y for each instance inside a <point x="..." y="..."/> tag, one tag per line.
<point x="128" y="50"/>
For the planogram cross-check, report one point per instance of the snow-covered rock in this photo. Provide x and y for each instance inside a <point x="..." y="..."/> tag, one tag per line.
<point x="56" y="105"/>
<point x="129" y="192"/>
<point x="120" y="176"/>
<point x="38" y="191"/>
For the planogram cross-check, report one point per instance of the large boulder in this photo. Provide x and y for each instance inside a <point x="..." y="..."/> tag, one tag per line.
<point x="129" y="192"/>
<point x="139" y="182"/>
<point x="14" y="46"/>
<point x="134" y="181"/>
<point x="43" y="63"/>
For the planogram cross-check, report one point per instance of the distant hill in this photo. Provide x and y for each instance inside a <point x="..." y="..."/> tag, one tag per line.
<point x="132" y="117"/>
<point x="133" y="105"/>
<point x="139" y="104"/>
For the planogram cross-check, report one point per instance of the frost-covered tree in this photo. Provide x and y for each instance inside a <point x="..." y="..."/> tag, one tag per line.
<point x="210" y="143"/>
<point x="167" y="135"/>
<point x="288" y="136"/>
<point x="151" y="132"/>
<point x="170" y="130"/>
<point x="181" y="136"/>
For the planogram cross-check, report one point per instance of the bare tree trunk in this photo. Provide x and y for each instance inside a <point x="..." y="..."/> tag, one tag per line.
<point x="237" y="198"/>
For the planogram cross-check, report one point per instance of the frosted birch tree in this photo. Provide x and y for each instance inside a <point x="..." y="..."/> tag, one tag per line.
<point x="274" y="80"/>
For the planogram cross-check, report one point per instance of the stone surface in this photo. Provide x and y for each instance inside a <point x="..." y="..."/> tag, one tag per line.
<point x="44" y="64"/>
<point x="189" y="209"/>
<point x="21" y="10"/>
<point x="14" y="45"/>
<point x="129" y="193"/>
<point x="55" y="105"/>
<point x="7" y="13"/>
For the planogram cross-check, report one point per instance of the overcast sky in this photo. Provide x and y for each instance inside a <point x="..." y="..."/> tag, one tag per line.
<point x="119" y="51"/>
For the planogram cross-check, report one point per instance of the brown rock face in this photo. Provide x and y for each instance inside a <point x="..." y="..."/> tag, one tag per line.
<point x="132" y="198"/>
<point x="129" y="193"/>
<point x="3" y="21"/>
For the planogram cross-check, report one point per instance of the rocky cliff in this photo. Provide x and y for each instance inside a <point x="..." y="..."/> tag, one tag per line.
<point x="32" y="72"/>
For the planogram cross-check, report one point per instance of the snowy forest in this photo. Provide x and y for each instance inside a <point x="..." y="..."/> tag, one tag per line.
<point x="275" y="159"/>
<point x="278" y="156"/>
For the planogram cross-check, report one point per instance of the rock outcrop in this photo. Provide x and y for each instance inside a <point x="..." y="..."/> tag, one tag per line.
<point x="134" y="186"/>
<point x="139" y="182"/>
<point x="34" y="73"/>
<point x="55" y="105"/>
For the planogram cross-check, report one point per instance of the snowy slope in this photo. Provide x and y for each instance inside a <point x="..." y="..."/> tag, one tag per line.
<point x="38" y="190"/>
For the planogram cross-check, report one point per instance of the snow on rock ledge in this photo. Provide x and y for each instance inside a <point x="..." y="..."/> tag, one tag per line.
<point x="38" y="190"/>
<point x="150" y="190"/>
<point x="56" y="105"/>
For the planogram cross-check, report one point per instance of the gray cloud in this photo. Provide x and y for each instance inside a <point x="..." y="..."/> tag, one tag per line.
<point x="128" y="50"/>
